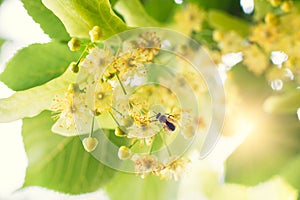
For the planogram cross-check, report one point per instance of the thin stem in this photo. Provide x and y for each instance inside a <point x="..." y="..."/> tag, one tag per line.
<point x="82" y="54"/>
<point x="134" y="142"/>
<point x="114" y="118"/>
<point x="116" y="110"/>
<point x="92" y="129"/>
<point x="123" y="88"/>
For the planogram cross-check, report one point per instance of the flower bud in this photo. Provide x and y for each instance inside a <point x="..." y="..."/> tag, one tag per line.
<point x="74" y="67"/>
<point x="119" y="132"/>
<point x="218" y="35"/>
<point x="90" y="144"/>
<point x="286" y="6"/>
<point x="74" y="44"/>
<point x="109" y="74"/>
<point x="124" y="153"/>
<point x="271" y="19"/>
<point x="95" y="33"/>
<point x="275" y="3"/>
<point x="127" y="121"/>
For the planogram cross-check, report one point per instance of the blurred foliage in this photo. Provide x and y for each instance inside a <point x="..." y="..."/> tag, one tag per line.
<point x="131" y="187"/>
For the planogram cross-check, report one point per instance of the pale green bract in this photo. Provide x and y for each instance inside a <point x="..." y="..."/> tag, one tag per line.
<point x="106" y="123"/>
<point x="31" y="102"/>
<point x="137" y="18"/>
<point x="80" y="16"/>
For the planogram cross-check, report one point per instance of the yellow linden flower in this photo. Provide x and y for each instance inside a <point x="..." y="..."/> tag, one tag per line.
<point x="142" y="131"/>
<point x="96" y="61"/>
<point x="231" y="42"/>
<point x="158" y="95"/>
<point x="145" y="164"/>
<point x="189" y="19"/>
<point x="255" y="59"/>
<point x="149" y="45"/>
<point x="290" y="24"/>
<point x="218" y="35"/>
<point x="276" y="73"/>
<point x="103" y="97"/>
<point x="272" y="19"/>
<point x="174" y="168"/>
<point x="264" y="35"/>
<point x="129" y="64"/>
<point x="139" y="107"/>
<point x="70" y="107"/>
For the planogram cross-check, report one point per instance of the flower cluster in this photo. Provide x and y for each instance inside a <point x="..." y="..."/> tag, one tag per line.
<point x="120" y="82"/>
<point x="189" y="19"/>
<point x="173" y="168"/>
<point x="276" y="34"/>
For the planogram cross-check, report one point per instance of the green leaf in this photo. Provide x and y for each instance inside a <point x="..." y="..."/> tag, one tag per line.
<point x="291" y="172"/>
<point x="47" y="20"/>
<point x="31" y="102"/>
<point x="286" y="103"/>
<point x="226" y="22"/>
<point x="135" y="14"/>
<point x="60" y="163"/>
<point x="230" y="6"/>
<point x="37" y="64"/>
<point x="80" y="16"/>
<point x="161" y="12"/>
<point x="132" y="187"/>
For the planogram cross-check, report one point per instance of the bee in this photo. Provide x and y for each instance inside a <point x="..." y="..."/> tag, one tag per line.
<point x="167" y="121"/>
